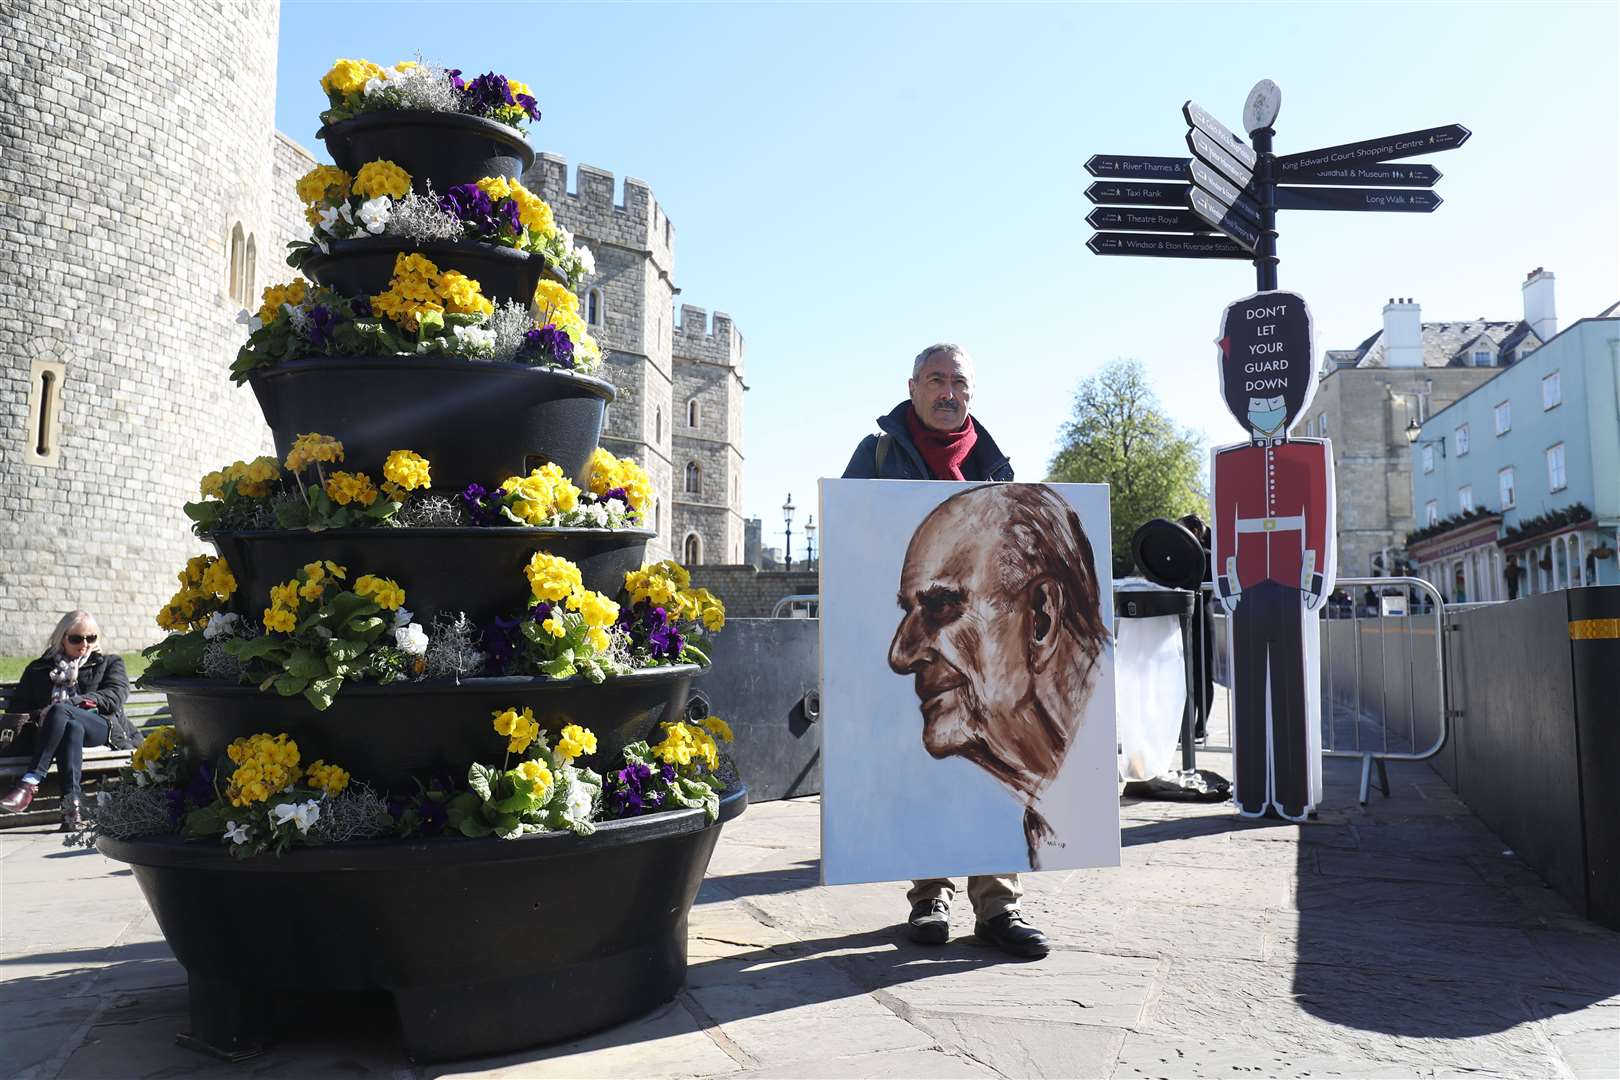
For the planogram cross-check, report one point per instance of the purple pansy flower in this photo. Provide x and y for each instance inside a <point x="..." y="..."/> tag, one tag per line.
<point x="321" y="323"/>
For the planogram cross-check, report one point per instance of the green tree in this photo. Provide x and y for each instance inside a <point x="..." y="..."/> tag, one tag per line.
<point x="1117" y="435"/>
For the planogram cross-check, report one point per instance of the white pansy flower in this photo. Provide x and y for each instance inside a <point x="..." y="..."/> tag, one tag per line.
<point x="587" y="260"/>
<point x="236" y="834"/>
<point x="249" y="319"/>
<point x="329" y="220"/>
<point x="220" y="623"/>
<point x="579" y="801"/>
<point x="374" y="213"/>
<point x="475" y="340"/>
<point x="403" y="617"/>
<point x="281" y="813"/>
<point x="411" y="640"/>
<point x="306" y="815"/>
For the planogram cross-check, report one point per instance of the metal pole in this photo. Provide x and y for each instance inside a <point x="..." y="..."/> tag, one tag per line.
<point x="1265" y="179"/>
<point x="1189" y="753"/>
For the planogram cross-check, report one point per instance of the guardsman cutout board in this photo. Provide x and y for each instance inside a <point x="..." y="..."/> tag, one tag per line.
<point x="1273" y="554"/>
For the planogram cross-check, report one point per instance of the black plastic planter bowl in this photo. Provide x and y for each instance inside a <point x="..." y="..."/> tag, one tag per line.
<point x="475" y="422"/>
<point x="364" y="265"/>
<point x="474" y="570"/>
<point x="385" y="735"/>
<point x="486" y="946"/>
<point x="444" y="149"/>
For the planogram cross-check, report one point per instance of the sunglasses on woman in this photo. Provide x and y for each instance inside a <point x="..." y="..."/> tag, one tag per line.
<point x="81" y="639"/>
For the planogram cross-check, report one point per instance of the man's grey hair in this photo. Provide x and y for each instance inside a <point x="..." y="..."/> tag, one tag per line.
<point x="940" y="347"/>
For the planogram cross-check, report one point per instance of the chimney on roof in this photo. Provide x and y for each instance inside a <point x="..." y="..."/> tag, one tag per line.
<point x="1539" y="310"/>
<point x="1403" y="334"/>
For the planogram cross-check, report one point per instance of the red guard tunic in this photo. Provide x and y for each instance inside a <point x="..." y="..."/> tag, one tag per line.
<point x="1273" y="517"/>
<point x="1272" y="561"/>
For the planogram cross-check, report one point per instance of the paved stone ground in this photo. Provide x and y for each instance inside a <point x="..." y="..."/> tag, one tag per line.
<point x="1400" y="941"/>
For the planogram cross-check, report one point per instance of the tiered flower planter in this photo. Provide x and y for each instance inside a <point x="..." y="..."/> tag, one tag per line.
<point x="485" y="945"/>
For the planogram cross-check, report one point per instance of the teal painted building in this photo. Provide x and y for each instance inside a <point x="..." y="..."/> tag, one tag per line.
<point x="1516" y="485"/>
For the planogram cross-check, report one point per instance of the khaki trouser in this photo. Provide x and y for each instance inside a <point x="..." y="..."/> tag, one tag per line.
<point x="990" y="895"/>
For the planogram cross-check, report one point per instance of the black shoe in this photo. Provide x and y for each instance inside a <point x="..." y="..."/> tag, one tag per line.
<point x="1012" y="935"/>
<point x="930" y="922"/>
<point x="72" y="816"/>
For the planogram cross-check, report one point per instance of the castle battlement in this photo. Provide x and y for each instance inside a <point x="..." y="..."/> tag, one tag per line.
<point x="695" y="340"/>
<point x="634" y="219"/>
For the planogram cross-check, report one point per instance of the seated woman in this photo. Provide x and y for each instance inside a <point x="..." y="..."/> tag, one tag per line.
<point x="78" y="692"/>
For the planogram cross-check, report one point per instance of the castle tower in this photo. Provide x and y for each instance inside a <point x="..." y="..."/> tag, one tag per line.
<point x="679" y="405"/>
<point x="144" y="202"/>
<point x="708" y="460"/>
<point x="629" y="306"/>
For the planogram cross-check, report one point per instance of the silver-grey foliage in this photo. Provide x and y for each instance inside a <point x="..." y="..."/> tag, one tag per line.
<point x="420" y="218"/>
<point x="355" y="813"/>
<point x="453" y="651"/>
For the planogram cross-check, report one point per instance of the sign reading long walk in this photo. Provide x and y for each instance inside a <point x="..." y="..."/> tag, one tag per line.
<point x="1113" y="193"/>
<point x="1136" y="167"/>
<point x="1165" y="247"/>
<point x="1414" y="176"/>
<point x="1408" y="144"/>
<point x="1396" y="199"/>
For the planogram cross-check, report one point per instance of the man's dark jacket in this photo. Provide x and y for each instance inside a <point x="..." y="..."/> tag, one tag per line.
<point x="101" y="679"/>
<point x="902" y="461"/>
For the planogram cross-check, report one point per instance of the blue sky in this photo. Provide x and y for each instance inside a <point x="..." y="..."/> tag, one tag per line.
<point x="851" y="182"/>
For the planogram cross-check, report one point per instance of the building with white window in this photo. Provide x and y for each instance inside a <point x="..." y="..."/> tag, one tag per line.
<point x="1399" y="377"/>
<point x="1533" y="504"/>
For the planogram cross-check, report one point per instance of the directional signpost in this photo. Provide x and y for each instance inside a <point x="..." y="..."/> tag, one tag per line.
<point x="1137" y="167"/>
<point x="1147" y="219"/>
<point x="1111" y="193"/>
<point x="1411" y="144"/>
<point x="1368" y="176"/>
<point x="1168" y="247"/>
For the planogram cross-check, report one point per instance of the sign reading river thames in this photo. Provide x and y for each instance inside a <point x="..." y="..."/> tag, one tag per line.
<point x="1266" y="352"/>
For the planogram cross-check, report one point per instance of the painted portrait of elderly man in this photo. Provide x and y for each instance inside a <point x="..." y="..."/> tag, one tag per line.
<point x="1003" y="640"/>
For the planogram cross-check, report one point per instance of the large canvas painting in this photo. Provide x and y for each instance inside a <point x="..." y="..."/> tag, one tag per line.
<point x="967" y="673"/>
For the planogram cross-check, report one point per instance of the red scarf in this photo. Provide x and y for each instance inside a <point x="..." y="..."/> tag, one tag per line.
<point x="942" y="451"/>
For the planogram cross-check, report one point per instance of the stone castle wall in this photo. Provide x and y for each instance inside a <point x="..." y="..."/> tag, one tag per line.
<point x="708" y="372"/>
<point x="135" y="137"/>
<point x="751" y="593"/>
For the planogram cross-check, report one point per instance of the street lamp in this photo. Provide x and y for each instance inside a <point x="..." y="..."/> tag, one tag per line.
<point x="810" y="542"/>
<point x="1412" y="432"/>
<point x="787" y="518"/>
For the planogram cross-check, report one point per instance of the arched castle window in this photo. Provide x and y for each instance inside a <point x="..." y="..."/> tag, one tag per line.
<point x="693" y="550"/>
<point x="658" y="512"/>
<point x="251" y="271"/>
<point x="694" y="478"/>
<point x="44" y="411"/>
<point x="238" y="261"/>
<point x="692" y="413"/>
<point x="594" y="307"/>
<point x="658" y="425"/>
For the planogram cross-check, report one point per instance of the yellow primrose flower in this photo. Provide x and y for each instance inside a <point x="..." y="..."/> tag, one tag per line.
<point x="294" y="293"/>
<point x="554" y="301"/>
<point x="382" y="178"/>
<point x="327" y="778"/>
<point x="575" y="741"/>
<point x="407" y="469"/>
<point x="598" y="639"/>
<point x="219" y="580"/>
<point x="552" y="577"/>
<point x="718" y="728"/>
<point x="554" y="626"/>
<point x="383" y="591"/>
<point x="536" y="773"/>
<point x="279" y="620"/>
<point x="344" y="488"/>
<point x="496" y="187"/>
<point x="533" y="211"/>
<point x="505" y="720"/>
<point x="324" y="183"/>
<point x="349" y="76"/>
<point x="461" y="294"/>
<point x="522" y="737"/>
<point x="212" y="485"/>
<point x="311" y="448"/>
<point x="598" y="610"/>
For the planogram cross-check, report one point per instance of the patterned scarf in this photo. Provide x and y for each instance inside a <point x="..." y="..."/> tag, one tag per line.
<point x="65" y="678"/>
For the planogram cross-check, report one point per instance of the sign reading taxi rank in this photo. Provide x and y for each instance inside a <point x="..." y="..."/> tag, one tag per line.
<point x="1267" y="355"/>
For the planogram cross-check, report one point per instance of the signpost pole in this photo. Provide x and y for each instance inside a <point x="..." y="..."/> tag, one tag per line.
<point x="1265" y="176"/>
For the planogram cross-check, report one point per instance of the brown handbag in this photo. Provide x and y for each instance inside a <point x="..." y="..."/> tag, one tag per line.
<point x="17" y="731"/>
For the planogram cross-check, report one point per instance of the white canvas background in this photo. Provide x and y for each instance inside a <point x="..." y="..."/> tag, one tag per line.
<point x="889" y="811"/>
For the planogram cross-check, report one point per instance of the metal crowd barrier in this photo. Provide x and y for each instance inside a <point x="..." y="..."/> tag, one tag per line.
<point x="808" y="603"/>
<point x="1410" y="721"/>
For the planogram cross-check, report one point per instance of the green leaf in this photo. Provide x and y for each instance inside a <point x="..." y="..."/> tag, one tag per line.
<point x="343" y="650"/>
<point x="292" y="514"/>
<point x="290" y="685"/>
<point x="304" y="664"/>
<point x="322" y="691"/>
<point x="560" y="667"/>
<point x="430" y="324"/>
<point x="480" y="779"/>
<point x="208" y="822"/>
<point x="368" y="628"/>
<point x="257" y="648"/>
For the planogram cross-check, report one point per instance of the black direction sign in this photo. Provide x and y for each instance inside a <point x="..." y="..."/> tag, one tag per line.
<point x="1205" y="149"/>
<point x="1165" y="247"/>
<point x="1200" y="118"/>
<point x="1408" y="144"/>
<point x="1125" y="193"/>
<point x="1216" y="185"/>
<point x="1396" y="199"/>
<point x="1136" y="167"/>
<point x="1146" y="219"/>
<point x="1412" y="176"/>
<point x="1221" y="216"/>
